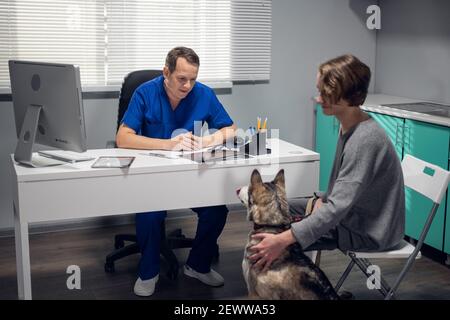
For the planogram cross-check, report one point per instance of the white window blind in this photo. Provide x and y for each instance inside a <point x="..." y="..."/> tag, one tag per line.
<point x="141" y="32"/>
<point x="59" y="31"/>
<point x="109" y="38"/>
<point x="251" y="31"/>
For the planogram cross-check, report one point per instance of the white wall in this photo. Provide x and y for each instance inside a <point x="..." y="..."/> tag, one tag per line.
<point x="413" y="49"/>
<point x="304" y="34"/>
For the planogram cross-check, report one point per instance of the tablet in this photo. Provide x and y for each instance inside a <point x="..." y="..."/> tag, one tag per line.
<point x="113" y="162"/>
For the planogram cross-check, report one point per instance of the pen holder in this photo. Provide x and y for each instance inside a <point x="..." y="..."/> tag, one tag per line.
<point x="257" y="145"/>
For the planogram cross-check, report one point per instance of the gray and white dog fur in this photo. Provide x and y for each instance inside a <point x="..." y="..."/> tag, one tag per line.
<point x="293" y="275"/>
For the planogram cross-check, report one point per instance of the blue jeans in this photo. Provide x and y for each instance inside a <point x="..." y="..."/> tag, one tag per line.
<point x="211" y="221"/>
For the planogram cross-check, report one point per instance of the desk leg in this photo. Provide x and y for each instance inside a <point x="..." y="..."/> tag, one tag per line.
<point x="22" y="257"/>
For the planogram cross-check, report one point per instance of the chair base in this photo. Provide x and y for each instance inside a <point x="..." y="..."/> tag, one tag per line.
<point x="174" y="240"/>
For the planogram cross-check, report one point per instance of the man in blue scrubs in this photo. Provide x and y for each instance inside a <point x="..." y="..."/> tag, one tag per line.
<point x="157" y="109"/>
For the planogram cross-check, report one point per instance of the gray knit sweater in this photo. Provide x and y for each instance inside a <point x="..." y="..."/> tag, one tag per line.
<point x="365" y="201"/>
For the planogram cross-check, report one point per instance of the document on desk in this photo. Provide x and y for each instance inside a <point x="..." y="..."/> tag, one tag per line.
<point x="191" y="155"/>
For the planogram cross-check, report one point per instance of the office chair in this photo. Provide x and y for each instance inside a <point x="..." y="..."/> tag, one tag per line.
<point x="430" y="181"/>
<point x="168" y="242"/>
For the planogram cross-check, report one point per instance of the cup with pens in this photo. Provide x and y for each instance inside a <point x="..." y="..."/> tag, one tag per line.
<point x="257" y="143"/>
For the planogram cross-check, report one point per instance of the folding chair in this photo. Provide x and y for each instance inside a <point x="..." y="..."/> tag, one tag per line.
<point x="430" y="181"/>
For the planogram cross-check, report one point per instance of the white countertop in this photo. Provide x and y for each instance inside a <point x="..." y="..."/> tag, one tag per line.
<point x="377" y="102"/>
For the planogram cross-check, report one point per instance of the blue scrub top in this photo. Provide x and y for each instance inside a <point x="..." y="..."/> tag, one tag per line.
<point x="150" y="114"/>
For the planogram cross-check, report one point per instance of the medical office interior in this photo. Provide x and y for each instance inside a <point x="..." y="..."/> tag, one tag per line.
<point x="405" y="43"/>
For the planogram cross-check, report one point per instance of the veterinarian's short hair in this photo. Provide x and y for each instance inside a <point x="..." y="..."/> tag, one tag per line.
<point x="181" y="52"/>
<point x="344" y="77"/>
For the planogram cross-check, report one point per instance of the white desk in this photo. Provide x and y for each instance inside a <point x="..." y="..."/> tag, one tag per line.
<point x="78" y="191"/>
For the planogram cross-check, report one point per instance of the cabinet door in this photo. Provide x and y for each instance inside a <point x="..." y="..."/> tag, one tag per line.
<point x="327" y="130"/>
<point x="430" y="143"/>
<point x="394" y="129"/>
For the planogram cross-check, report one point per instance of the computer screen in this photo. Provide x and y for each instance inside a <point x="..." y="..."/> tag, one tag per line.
<point x="48" y="107"/>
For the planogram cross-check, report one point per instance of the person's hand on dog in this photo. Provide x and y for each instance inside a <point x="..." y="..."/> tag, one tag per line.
<point x="269" y="248"/>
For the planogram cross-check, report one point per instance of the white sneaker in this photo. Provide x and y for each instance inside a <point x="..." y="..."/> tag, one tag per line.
<point x="211" y="278"/>
<point x="145" y="288"/>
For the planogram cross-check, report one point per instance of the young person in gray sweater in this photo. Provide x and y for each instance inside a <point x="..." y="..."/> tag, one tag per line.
<point x="364" y="206"/>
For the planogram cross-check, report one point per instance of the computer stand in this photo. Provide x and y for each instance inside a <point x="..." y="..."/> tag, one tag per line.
<point x="24" y="149"/>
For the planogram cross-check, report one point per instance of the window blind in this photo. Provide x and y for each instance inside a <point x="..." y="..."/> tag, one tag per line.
<point x="59" y="31"/>
<point x="251" y="37"/>
<point x="109" y="38"/>
<point x="141" y="32"/>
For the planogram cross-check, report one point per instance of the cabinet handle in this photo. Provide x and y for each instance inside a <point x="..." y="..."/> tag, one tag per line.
<point x="406" y="136"/>
<point x="396" y="134"/>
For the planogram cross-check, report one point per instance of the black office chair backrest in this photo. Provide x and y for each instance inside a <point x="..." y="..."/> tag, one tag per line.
<point x="130" y="83"/>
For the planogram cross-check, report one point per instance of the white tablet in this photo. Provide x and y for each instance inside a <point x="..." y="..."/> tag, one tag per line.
<point x="113" y="162"/>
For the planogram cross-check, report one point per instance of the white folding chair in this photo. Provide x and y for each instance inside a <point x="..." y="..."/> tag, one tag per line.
<point x="429" y="180"/>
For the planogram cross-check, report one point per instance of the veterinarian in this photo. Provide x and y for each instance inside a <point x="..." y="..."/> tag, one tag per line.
<point x="159" y="107"/>
<point x="364" y="206"/>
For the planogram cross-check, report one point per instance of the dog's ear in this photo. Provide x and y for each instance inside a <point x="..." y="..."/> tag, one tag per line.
<point x="256" y="178"/>
<point x="279" y="179"/>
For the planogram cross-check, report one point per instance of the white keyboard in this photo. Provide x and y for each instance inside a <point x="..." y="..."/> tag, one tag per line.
<point x="38" y="161"/>
<point x="67" y="156"/>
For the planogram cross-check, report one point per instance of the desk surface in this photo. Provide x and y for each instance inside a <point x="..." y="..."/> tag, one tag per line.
<point x="282" y="151"/>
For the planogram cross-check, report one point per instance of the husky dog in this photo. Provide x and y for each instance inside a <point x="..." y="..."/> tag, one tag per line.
<point x="293" y="275"/>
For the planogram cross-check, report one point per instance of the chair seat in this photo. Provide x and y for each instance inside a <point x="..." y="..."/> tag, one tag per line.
<point x="402" y="251"/>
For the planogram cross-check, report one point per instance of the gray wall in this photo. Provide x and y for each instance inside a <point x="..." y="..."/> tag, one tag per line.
<point x="304" y="34"/>
<point x="413" y="49"/>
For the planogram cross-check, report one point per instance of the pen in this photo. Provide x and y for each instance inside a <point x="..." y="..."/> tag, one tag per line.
<point x="158" y="155"/>
<point x="264" y="124"/>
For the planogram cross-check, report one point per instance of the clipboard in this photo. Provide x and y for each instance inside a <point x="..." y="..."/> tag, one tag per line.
<point x="113" y="162"/>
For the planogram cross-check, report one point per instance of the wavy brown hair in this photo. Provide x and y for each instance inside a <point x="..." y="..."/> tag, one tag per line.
<point x="344" y="77"/>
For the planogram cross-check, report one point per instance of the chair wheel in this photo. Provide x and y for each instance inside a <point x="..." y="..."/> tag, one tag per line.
<point x="119" y="244"/>
<point x="109" y="267"/>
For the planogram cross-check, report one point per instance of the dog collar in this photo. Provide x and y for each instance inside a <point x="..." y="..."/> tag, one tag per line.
<point x="283" y="227"/>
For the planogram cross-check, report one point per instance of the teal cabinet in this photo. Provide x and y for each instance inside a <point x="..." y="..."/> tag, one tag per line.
<point x="430" y="143"/>
<point x="327" y="131"/>
<point x="427" y="142"/>
<point x="394" y="130"/>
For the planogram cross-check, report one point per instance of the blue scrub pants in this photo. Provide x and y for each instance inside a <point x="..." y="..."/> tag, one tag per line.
<point x="211" y="221"/>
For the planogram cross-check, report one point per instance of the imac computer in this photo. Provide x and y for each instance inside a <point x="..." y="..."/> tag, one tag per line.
<point x="48" y="110"/>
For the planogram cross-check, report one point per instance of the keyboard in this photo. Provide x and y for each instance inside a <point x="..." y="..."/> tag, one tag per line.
<point x="39" y="161"/>
<point x="67" y="156"/>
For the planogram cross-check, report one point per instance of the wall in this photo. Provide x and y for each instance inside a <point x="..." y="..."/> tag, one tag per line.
<point x="304" y="34"/>
<point x="413" y="49"/>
